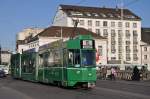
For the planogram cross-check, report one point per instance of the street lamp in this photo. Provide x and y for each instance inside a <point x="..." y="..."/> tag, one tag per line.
<point x="122" y="14"/>
<point x="0" y="55"/>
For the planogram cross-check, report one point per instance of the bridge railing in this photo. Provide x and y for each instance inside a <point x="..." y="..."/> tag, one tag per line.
<point x="124" y="75"/>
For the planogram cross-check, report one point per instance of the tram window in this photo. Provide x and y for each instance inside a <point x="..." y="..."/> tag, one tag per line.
<point x="88" y="58"/>
<point x="40" y="60"/>
<point x="71" y="58"/>
<point x="45" y="59"/>
<point x="65" y="58"/>
<point x="28" y="63"/>
<point x="74" y="57"/>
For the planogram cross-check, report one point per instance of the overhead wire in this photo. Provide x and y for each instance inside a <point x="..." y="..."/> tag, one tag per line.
<point x="130" y="3"/>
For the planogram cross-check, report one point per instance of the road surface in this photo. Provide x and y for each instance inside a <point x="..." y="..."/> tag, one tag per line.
<point x="105" y="89"/>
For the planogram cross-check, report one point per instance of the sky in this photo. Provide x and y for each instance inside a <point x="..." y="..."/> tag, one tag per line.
<point x="16" y="15"/>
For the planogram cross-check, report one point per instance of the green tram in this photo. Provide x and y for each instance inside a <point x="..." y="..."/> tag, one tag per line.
<point x="70" y="63"/>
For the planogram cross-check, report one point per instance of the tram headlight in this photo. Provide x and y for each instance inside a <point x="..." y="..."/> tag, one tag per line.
<point x="90" y="74"/>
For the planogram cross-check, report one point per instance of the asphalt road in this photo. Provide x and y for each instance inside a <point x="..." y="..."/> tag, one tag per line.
<point x="17" y="89"/>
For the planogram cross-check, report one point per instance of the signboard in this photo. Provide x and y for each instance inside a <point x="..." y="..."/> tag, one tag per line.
<point x="87" y="44"/>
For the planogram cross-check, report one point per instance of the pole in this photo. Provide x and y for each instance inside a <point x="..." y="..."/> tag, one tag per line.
<point x="0" y="55"/>
<point x="122" y="54"/>
<point x="61" y="31"/>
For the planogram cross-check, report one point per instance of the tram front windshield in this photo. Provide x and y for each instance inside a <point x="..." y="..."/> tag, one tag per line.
<point x="88" y="58"/>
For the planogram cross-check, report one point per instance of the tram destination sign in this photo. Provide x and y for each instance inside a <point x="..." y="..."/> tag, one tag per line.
<point x="87" y="44"/>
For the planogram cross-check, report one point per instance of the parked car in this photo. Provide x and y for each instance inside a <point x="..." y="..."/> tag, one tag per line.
<point x="2" y="73"/>
<point x="5" y="69"/>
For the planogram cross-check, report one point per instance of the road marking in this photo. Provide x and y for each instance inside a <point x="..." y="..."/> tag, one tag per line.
<point x="142" y="96"/>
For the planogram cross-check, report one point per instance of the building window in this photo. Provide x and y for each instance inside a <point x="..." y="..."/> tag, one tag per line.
<point x="113" y="58"/>
<point x="135" y="33"/>
<point x="113" y="42"/>
<point x="119" y="49"/>
<point x="135" y="49"/>
<point x="128" y="57"/>
<point x="127" y="24"/>
<point x="104" y="23"/>
<point x="97" y="23"/>
<point x="145" y="57"/>
<point x="98" y="31"/>
<point x="134" y="25"/>
<point x="127" y="34"/>
<point x="145" y="48"/>
<point x="119" y="24"/>
<point x="119" y="56"/>
<point x="100" y="50"/>
<point x="113" y="50"/>
<point x="81" y="22"/>
<point x="127" y="42"/>
<point x="89" y="22"/>
<point x="120" y="33"/>
<point x="128" y="49"/>
<point x="113" y="33"/>
<point x="135" y="58"/>
<point x="105" y="33"/>
<point x="112" y="24"/>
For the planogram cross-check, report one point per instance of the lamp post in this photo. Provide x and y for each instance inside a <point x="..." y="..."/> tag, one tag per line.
<point x="122" y="54"/>
<point x="62" y="58"/>
<point x="0" y="55"/>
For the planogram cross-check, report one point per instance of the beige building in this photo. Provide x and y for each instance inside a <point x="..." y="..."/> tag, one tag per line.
<point x="145" y="47"/>
<point x="5" y="57"/>
<point x="28" y="32"/>
<point x="123" y="36"/>
<point x="24" y="35"/>
<point x="54" y="33"/>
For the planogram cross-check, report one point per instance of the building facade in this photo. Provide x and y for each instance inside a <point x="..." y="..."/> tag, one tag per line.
<point x="145" y="47"/>
<point x="55" y="33"/>
<point x="5" y="57"/>
<point x="123" y="36"/>
<point x="22" y="37"/>
<point x="28" y="32"/>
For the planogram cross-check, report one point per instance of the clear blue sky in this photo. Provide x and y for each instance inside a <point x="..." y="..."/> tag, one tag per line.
<point x="16" y="15"/>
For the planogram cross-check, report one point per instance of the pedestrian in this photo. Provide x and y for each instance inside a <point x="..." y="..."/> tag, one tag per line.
<point x="113" y="73"/>
<point x="104" y="72"/>
<point x="143" y="72"/>
<point x="108" y="75"/>
<point x="136" y="74"/>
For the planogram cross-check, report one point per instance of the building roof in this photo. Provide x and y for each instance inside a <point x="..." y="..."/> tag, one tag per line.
<point x="20" y="42"/>
<point x="55" y="31"/>
<point x="5" y="52"/>
<point x="97" y="12"/>
<point x="145" y="35"/>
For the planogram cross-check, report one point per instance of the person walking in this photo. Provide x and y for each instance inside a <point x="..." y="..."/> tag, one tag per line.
<point x="104" y="72"/>
<point x="113" y="73"/>
<point x="136" y="74"/>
